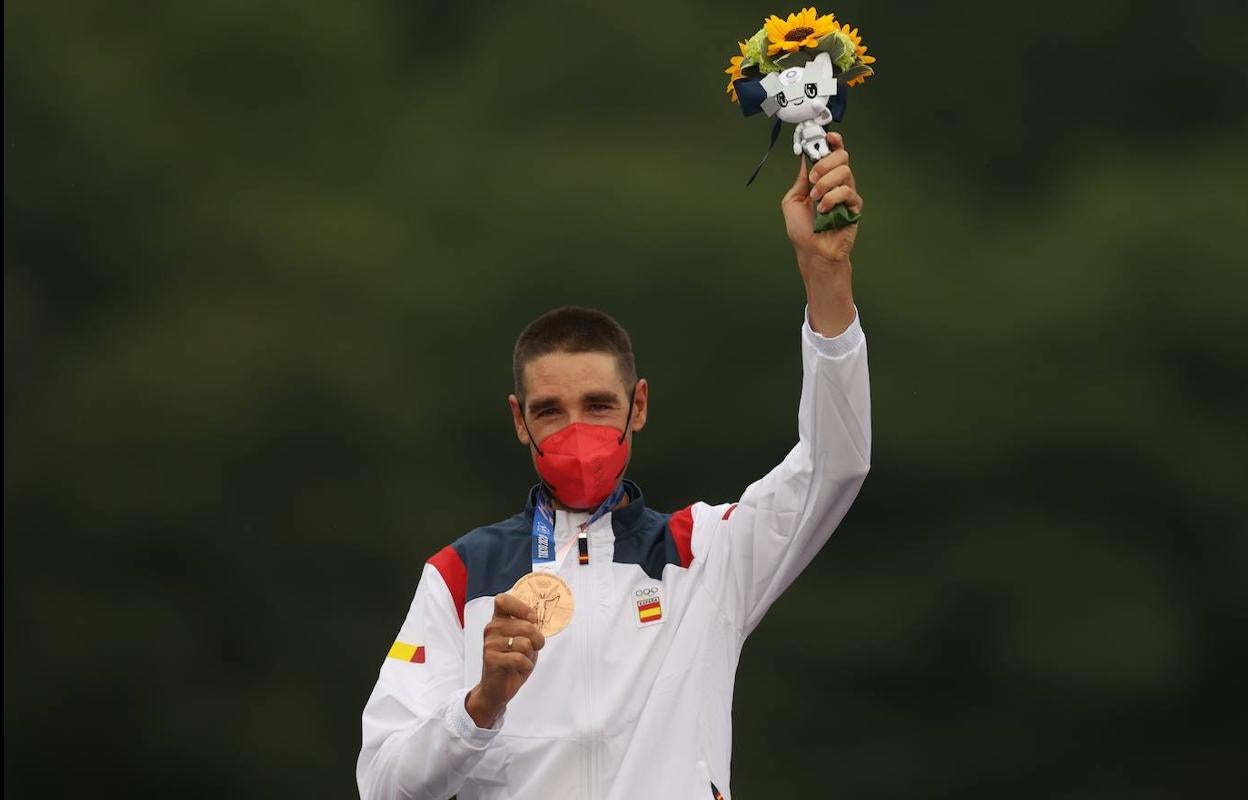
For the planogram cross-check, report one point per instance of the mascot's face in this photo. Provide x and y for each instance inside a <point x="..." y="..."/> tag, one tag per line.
<point x="798" y="98"/>
<point x="798" y="94"/>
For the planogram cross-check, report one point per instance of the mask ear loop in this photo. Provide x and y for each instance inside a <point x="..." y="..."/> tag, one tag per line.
<point x="628" y="421"/>
<point x="532" y="441"/>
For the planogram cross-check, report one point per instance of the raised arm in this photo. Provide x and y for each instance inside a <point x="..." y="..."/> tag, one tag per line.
<point x="753" y="550"/>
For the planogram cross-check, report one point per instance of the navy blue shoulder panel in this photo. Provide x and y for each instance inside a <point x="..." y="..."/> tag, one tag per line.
<point x="495" y="556"/>
<point x="644" y="539"/>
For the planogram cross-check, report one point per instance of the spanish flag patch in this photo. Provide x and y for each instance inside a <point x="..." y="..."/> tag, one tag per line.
<point x="650" y="610"/>
<point x="412" y="653"/>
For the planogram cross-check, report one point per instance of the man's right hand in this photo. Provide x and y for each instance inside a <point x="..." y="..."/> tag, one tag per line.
<point x="512" y="640"/>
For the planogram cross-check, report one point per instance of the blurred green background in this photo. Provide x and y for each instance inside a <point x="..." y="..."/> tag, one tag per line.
<point x="265" y="263"/>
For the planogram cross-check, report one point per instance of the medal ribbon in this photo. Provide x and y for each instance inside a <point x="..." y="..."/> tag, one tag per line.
<point x="544" y="528"/>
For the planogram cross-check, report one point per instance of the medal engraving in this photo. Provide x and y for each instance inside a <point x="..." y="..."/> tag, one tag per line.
<point x="549" y="596"/>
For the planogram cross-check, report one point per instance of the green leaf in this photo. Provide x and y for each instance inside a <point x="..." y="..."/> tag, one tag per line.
<point x="797" y="58"/>
<point x="854" y="72"/>
<point x="839" y="216"/>
<point x="832" y="45"/>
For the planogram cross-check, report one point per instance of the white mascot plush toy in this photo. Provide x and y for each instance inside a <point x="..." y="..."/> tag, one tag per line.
<point x="800" y="95"/>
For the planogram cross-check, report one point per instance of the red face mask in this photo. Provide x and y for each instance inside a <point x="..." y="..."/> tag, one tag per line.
<point x="582" y="463"/>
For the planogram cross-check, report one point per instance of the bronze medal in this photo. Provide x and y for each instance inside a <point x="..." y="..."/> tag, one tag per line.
<point x="548" y="595"/>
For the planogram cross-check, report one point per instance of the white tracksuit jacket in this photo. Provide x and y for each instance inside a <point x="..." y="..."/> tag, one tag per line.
<point x="633" y="699"/>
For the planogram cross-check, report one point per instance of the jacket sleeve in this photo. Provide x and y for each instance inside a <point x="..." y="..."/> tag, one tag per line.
<point x="754" y="549"/>
<point x="419" y="741"/>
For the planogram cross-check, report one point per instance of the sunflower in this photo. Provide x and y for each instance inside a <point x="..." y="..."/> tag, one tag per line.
<point x="734" y="71"/>
<point x="860" y="51"/>
<point x="803" y="29"/>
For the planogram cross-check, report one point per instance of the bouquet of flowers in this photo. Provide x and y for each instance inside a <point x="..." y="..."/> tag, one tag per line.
<point x="797" y="70"/>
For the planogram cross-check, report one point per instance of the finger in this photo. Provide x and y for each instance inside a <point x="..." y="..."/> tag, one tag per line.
<point x="798" y="190"/>
<point x="835" y="141"/>
<point x="828" y="163"/>
<point x="507" y="605"/>
<point x="841" y="194"/>
<point x="518" y="627"/>
<point x="519" y="662"/>
<point x="511" y="644"/>
<point x="840" y="176"/>
<point x="512" y="662"/>
<point x="510" y="626"/>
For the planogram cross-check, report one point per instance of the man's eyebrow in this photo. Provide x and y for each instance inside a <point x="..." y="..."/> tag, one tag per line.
<point x="542" y="403"/>
<point x="538" y="404"/>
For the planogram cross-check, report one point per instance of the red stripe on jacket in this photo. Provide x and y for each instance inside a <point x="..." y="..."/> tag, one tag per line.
<point x="681" y="526"/>
<point x="451" y="567"/>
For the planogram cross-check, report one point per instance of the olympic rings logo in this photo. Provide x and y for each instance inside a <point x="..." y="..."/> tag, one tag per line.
<point x="649" y="592"/>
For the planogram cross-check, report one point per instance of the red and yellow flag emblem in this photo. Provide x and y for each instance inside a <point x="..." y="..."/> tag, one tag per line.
<point x="412" y="653"/>
<point x="650" y="610"/>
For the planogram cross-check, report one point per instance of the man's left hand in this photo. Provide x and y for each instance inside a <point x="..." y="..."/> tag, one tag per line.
<point x="828" y="183"/>
<point x="823" y="258"/>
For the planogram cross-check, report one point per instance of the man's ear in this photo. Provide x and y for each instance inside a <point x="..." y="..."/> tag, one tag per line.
<point x="641" y="404"/>
<point x="517" y="419"/>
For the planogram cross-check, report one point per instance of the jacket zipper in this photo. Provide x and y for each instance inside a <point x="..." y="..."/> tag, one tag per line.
<point x="591" y="597"/>
<point x="581" y="580"/>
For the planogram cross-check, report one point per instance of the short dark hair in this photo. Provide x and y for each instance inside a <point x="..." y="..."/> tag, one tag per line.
<point x="572" y="329"/>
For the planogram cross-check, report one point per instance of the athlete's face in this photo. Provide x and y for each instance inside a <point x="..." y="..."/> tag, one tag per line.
<point x="564" y="388"/>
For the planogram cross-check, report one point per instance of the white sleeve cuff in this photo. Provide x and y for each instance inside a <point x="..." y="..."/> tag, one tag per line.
<point x="842" y="344"/>
<point x="463" y="726"/>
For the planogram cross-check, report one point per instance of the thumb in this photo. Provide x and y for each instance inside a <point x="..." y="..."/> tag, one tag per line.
<point x="800" y="189"/>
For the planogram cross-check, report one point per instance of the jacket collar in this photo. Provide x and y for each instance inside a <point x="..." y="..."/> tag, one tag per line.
<point x="626" y="521"/>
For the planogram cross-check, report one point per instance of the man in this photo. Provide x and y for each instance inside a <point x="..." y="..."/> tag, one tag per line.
<point x="608" y="671"/>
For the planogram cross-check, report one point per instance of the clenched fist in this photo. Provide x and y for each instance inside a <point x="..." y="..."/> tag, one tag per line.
<point x="512" y="641"/>
<point x="828" y="183"/>
<point x="823" y="258"/>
